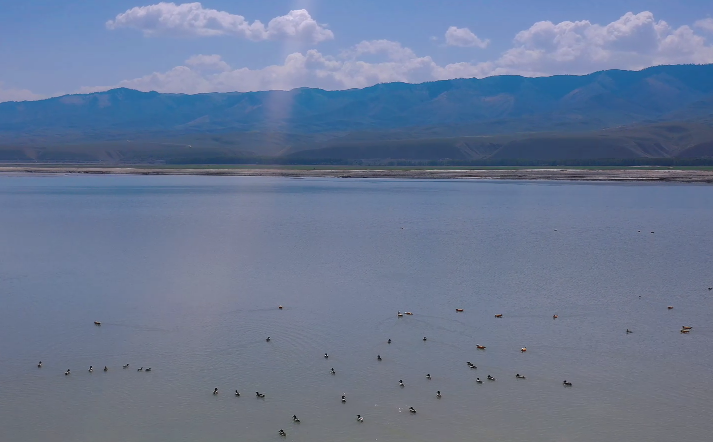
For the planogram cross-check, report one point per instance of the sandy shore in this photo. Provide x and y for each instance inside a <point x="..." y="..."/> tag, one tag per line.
<point x="668" y="175"/>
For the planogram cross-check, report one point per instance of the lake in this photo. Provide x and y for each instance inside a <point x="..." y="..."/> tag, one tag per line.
<point x="186" y="275"/>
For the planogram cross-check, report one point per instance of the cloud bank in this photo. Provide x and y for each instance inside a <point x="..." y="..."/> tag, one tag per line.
<point x="464" y="38"/>
<point x="193" y="20"/>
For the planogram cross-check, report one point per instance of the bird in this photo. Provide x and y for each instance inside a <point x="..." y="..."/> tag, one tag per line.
<point x="523" y="349"/>
<point x="519" y="376"/>
<point x="683" y="327"/>
<point x="326" y="356"/>
<point x="424" y="338"/>
<point x="215" y="391"/>
<point x="125" y="366"/>
<point x="412" y="410"/>
<point x="39" y="365"/>
<point x="148" y="369"/>
<point x="670" y="307"/>
<point x="359" y="418"/>
<point x="106" y="368"/>
<point x="91" y="369"/>
<point x="401" y="383"/>
<point x="140" y="369"/>
<point x="490" y="378"/>
<point x="344" y="398"/>
<point x="566" y="384"/>
<point x="280" y="307"/>
<point x="66" y="372"/>
<point x="237" y="394"/>
<point x="260" y="395"/>
<point x="555" y="316"/>
<point x="378" y="357"/>
<point x="480" y="347"/>
<point x="282" y="433"/>
<point x="268" y="339"/>
<point x="629" y="331"/>
<point x="710" y="288"/>
<point x="472" y="366"/>
<point x="478" y="380"/>
<point x="389" y="341"/>
<point x="438" y="394"/>
<point x="97" y="323"/>
<point x="333" y="372"/>
<point x="499" y="315"/>
<point x="428" y="376"/>
<point x="294" y="419"/>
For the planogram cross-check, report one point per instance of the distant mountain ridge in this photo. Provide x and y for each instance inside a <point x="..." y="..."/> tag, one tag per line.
<point x="369" y="122"/>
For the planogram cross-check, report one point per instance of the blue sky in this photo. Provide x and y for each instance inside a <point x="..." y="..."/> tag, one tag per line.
<point x="52" y="47"/>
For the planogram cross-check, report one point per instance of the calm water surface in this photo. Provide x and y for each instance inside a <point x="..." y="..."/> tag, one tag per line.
<point x="186" y="274"/>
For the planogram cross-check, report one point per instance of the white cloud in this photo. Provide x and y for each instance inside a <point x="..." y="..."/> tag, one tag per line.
<point x="463" y="37"/>
<point x="12" y="94"/>
<point x="212" y="62"/>
<point x="192" y="19"/>
<point x="633" y="41"/>
<point x="706" y="24"/>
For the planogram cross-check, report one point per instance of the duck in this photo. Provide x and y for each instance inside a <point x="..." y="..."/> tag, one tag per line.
<point x="480" y="347"/>
<point x="409" y="313"/>
<point x="424" y="338"/>
<point x="399" y="314"/>
<point x="260" y="395"/>
<point x="268" y="339"/>
<point x="282" y="433"/>
<point x="499" y="315"/>
<point x="566" y="384"/>
<point x="125" y="366"/>
<point x="91" y="369"/>
<point x="280" y="307"/>
<point x="378" y="357"/>
<point x="140" y="369"/>
<point x="106" y="368"/>
<point x="523" y="349"/>
<point x="97" y="323"/>
<point x="555" y="316"/>
<point x="401" y="383"/>
<point x="683" y="327"/>
<point x="490" y="378"/>
<point x="333" y="372"/>
<point x="685" y="331"/>
<point x="39" y="365"/>
<point x="459" y="310"/>
<point x="478" y="380"/>
<point x="428" y="376"/>
<point x="215" y="391"/>
<point x="66" y="373"/>
<point x="359" y="418"/>
<point x="237" y="393"/>
<point x="670" y="307"/>
<point x="326" y="356"/>
<point x="389" y="341"/>
<point x="472" y="366"/>
<point x="629" y="331"/>
<point x="344" y="398"/>
<point x="295" y="419"/>
<point x="438" y="394"/>
<point x="412" y="410"/>
<point x="148" y="369"/>
<point x="519" y="376"/>
<point x="710" y="288"/>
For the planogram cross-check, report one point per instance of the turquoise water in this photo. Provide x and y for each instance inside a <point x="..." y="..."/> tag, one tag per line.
<point x="186" y="273"/>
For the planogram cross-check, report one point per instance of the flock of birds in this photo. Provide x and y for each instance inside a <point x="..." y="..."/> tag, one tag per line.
<point x="359" y="417"/>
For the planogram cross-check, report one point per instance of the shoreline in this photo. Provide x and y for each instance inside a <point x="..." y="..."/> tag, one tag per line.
<point x="534" y="174"/>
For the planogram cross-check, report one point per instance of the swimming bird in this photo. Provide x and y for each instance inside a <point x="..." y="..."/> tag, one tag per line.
<point x="91" y="369"/>
<point x="389" y="341"/>
<point x="409" y="313"/>
<point x="401" y="383"/>
<point x="424" y="338"/>
<point x="478" y="380"/>
<point x="472" y="366"/>
<point x="260" y="395"/>
<point x="428" y="376"/>
<point x="140" y="369"/>
<point x="39" y="365"/>
<point x="280" y="307"/>
<point x="344" y="398"/>
<point x="459" y="310"/>
<point x="326" y="356"/>
<point x="438" y="394"/>
<point x="670" y="307"/>
<point x="683" y="327"/>
<point x="555" y="316"/>
<point x="66" y="372"/>
<point x="710" y="288"/>
<point x="125" y="366"/>
<point x="412" y="410"/>
<point x="378" y="357"/>
<point x="282" y="433"/>
<point x="523" y="349"/>
<point x="294" y="419"/>
<point x="480" y="347"/>
<point x="268" y="339"/>
<point x="566" y="384"/>
<point x="333" y="372"/>
<point x="97" y="323"/>
<point x="237" y="394"/>
<point x="499" y="315"/>
<point x="359" y="418"/>
<point x="106" y="368"/>
<point x="148" y="369"/>
<point x="629" y="331"/>
<point x="215" y="391"/>
<point x="490" y="378"/>
<point x="519" y="376"/>
<point x="685" y="331"/>
<point x="399" y="314"/>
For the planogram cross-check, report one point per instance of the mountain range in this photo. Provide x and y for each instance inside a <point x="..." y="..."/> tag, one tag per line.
<point x="659" y="112"/>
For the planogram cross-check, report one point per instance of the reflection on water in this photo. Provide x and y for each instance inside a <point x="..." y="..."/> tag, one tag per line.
<point x="186" y="273"/>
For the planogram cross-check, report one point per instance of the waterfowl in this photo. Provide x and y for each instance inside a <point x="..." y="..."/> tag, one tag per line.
<point x="268" y="339"/>
<point x="519" y="376"/>
<point x="389" y="341"/>
<point x="237" y="394"/>
<point x="683" y="327"/>
<point x="480" y="347"/>
<point x="399" y="314"/>
<point x="344" y="398"/>
<point x="39" y="365"/>
<point x="215" y="391"/>
<point x="478" y="380"/>
<point x="66" y="372"/>
<point x="685" y="331"/>
<point x="125" y="366"/>
<point x="438" y="394"/>
<point x="428" y="376"/>
<point x="555" y="316"/>
<point x="280" y="307"/>
<point x="412" y="410"/>
<point x="378" y="357"/>
<point x="424" y="338"/>
<point x="459" y="310"/>
<point x="670" y="307"/>
<point x="148" y="369"/>
<point x="523" y="349"/>
<point x="326" y="356"/>
<point x="409" y="313"/>
<point x="282" y="433"/>
<point x="490" y="378"/>
<point x="333" y="372"/>
<point x="140" y="369"/>
<point x="401" y="383"/>
<point x="566" y="384"/>
<point x="260" y="395"/>
<point x="499" y="315"/>
<point x="91" y="369"/>
<point x="629" y="331"/>
<point x="710" y="288"/>
<point x="106" y="368"/>
<point x="359" y="418"/>
<point x="294" y="419"/>
<point x="471" y="365"/>
<point x="97" y="323"/>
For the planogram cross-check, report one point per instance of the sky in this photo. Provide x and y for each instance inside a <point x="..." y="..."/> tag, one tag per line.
<point x="56" y="47"/>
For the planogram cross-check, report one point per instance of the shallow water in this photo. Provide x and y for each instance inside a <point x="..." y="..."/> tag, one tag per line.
<point x="186" y="274"/>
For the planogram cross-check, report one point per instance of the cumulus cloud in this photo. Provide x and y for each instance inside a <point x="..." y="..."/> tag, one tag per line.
<point x="464" y="38"/>
<point x="633" y="41"/>
<point x="706" y="24"/>
<point x="12" y="94"/>
<point x="192" y="19"/>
